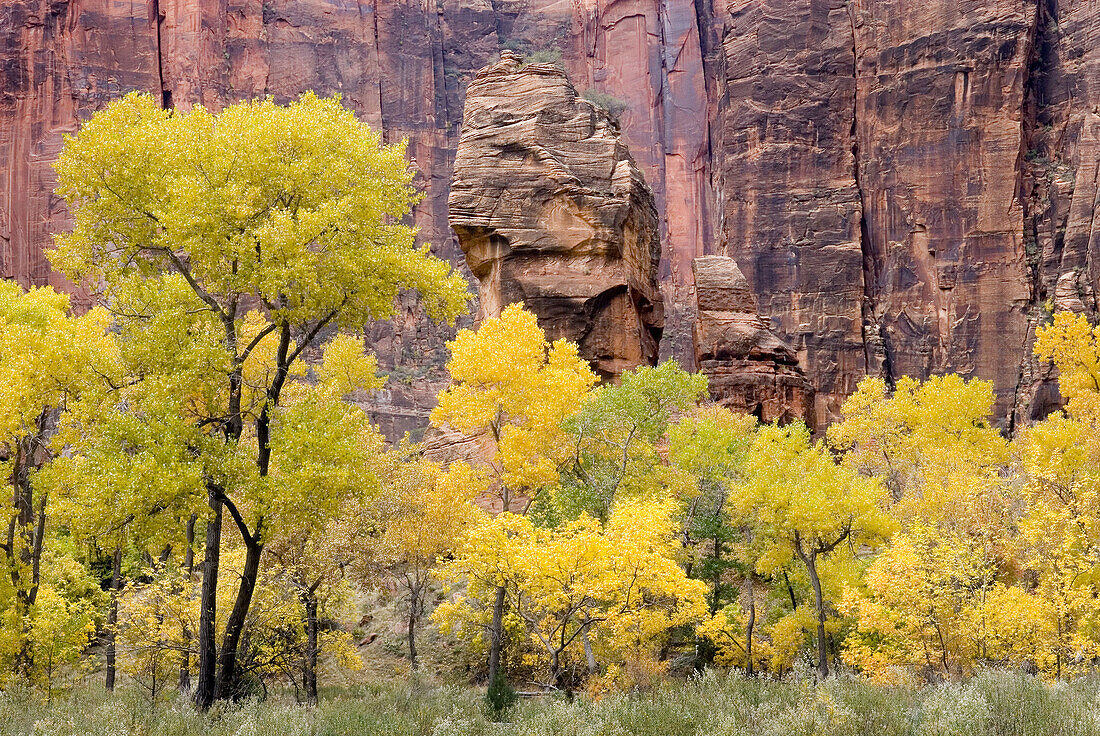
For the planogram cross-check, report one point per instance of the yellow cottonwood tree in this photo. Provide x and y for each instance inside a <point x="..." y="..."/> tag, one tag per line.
<point x="924" y="440"/>
<point x="922" y="606"/>
<point x="422" y="515"/>
<point x="47" y="359"/>
<point x="270" y="226"/>
<point x="1059" y="460"/>
<point x="1073" y="346"/>
<point x="925" y="604"/>
<point x="513" y="389"/>
<point x="802" y="506"/>
<point x="583" y="586"/>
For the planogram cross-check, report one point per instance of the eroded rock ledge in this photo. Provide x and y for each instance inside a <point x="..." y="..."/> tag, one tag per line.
<point x="750" y="369"/>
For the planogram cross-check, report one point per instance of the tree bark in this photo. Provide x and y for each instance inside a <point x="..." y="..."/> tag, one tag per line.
<point x="26" y="551"/>
<point x="414" y="602"/>
<point x="496" y="634"/>
<point x="716" y="599"/>
<point x="112" y="617"/>
<point x="815" y="581"/>
<point x="227" y="658"/>
<point x="208" y="648"/>
<point x="589" y="655"/>
<point x="555" y="669"/>
<point x="309" y="671"/>
<point x="748" y="629"/>
<point x="189" y="566"/>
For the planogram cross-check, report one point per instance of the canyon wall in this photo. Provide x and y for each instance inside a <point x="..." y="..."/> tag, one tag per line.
<point x="907" y="186"/>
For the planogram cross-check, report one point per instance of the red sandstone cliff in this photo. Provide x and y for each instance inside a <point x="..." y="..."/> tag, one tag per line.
<point x="906" y="186"/>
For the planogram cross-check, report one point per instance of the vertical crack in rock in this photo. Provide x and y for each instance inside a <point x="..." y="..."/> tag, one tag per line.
<point x="789" y="207"/>
<point x="938" y="125"/>
<point x="875" y="346"/>
<point x="158" y="26"/>
<point x="967" y="211"/>
<point x="1025" y="194"/>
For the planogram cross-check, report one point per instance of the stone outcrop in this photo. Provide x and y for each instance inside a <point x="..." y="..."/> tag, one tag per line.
<point x="908" y="187"/>
<point x="748" y="367"/>
<point x="551" y="211"/>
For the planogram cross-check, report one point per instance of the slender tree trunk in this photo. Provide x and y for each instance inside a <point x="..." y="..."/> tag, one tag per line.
<point x="227" y="658"/>
<point x="589" y="654"/>
<point x="208" y="648"/>
<point x="790" y="590"/>
<point x="26" y="551"/>
<point x="112" y="616"/>
<point x="309" y="673"/>
<point x="555" y="669"/>
<point x="414" y="602"/>
<point x="496" y="634"/>
<point x="716" y="599"/>
<point x="822" y="652"/>
<point x="189" y="566"/>
<point x="748" y="629"/>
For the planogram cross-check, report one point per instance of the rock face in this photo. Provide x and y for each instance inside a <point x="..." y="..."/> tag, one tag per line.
<point x="750" y="370"/>
<point x="789" y="205"/>
<point x="908" y="187"/>
<point x="551" y="210"/>
<point x="939" y="135"/>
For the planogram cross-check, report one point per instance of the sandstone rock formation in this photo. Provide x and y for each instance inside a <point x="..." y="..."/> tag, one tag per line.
<point x="750" y="370"/>
<point x="551" y="211"/>
<point x="907" y="186"/>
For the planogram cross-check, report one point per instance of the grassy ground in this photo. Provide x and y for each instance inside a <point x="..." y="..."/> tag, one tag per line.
<point x="994" y="703"/>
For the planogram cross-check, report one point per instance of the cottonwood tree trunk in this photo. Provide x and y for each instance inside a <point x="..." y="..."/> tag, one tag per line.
<point x="414" y="603"/>
<point x="23" y="544"/>
<point x="716" y="599"/>
<point x="822" y="651"/>
<point x="189" y="566"/>
<point x="589" y="655"/>
<point x="227" y="658"/>
<point x="234" y="626"/>
<point x="496" y="634"/>
<point x="112" y="616"/>
<point x="751" y="624"/>
<point x="309" y="669"/>
<point x="208" y="648"/>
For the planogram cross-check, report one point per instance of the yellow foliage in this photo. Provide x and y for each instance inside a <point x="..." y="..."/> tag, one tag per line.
<point x="930" y="443"/>
<point x="617" y="585"/>
<point x="796" y="494"/>
<point x="1073" y="345"/>
<point x="514" y="387"/>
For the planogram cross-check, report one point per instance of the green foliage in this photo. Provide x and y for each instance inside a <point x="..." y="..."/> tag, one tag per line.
<point x="609" y="103"/>
<point x="550" y="56"/>
<point x="614" y="437"/>
<point x="500" y="696"/>
<point x="225" y="245"/>
<point x="238" y="257"/>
